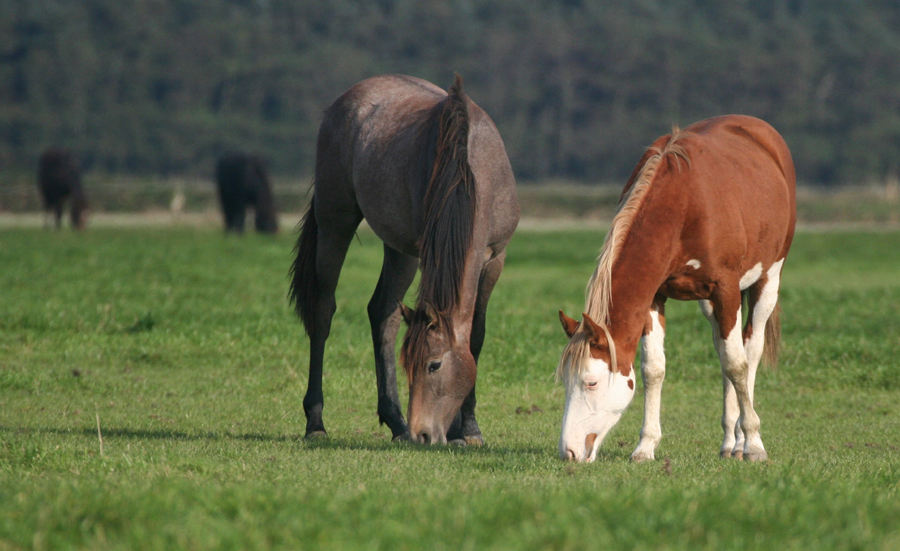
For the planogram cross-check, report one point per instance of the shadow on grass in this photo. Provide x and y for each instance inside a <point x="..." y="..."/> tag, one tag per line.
<point x="321" y="443"/>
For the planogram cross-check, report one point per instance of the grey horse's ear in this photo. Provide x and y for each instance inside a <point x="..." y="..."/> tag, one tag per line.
<point x="406" y="312"/>
<point x="432" y="314"/>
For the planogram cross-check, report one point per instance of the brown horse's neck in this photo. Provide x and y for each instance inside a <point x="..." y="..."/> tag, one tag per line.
<point x="640" y="269"/>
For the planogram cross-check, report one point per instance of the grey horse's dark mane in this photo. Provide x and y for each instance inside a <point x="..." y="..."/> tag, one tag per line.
<point x="449" y="219"/>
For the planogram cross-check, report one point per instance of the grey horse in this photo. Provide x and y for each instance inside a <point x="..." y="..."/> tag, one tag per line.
<point x="428" y="171"/>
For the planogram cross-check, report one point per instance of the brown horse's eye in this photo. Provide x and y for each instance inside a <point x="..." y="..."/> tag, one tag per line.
<point x="434" y="366"/>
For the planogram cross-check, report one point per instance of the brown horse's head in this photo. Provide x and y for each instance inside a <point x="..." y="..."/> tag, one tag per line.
<point x="440" y="370"/>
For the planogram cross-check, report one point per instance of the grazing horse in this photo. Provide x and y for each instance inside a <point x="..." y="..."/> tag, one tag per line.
<point x="242" y="181"/>
<point x="59" y="179"/>
<point x="428" y="171"/>
<point x="708" y="215"/>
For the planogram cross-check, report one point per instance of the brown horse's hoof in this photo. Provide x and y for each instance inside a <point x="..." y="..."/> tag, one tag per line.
<point x="402" y="438"/>
<point x="316" y="434"/>
<point x="476" y="440"/>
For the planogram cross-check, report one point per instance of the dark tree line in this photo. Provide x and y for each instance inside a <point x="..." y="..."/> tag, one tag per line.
<point x="577" y="87"/>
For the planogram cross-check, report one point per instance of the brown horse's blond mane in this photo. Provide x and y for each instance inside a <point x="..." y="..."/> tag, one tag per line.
<point x="598" y="294"/>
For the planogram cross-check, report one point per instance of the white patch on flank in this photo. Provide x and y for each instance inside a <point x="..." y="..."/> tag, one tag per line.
<point x="775" y="269"/>
<point x="694" y="263"/>
<point x="752" y="276"/>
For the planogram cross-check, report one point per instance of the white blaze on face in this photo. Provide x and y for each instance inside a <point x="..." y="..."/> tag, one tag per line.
<point x="694" y="263"/>
<point x="595" y="402"/>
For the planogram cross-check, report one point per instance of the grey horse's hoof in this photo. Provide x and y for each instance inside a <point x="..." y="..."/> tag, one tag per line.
<point x="476" y="440"/>
<point x="402" y="438"/>
<point x="458" y="442"/>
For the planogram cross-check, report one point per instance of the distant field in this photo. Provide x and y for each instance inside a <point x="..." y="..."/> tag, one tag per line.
<point x="180" y="345"/>
<point x="552" y="200"/>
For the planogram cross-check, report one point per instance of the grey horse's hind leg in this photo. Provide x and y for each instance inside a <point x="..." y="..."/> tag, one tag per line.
<point x="397" y="274"/>
<point x="333" y="240"/>
<point x="489" y="276"/>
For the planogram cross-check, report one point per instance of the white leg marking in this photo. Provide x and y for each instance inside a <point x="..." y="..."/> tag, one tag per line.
<point x="653" y="372"/>
<point x="734" y="366"/>
<point x="763" y="309"/>
<point x="731" y="431"/>
<point x="751" y="277"/>
<point x="694" y="263"/>
<point x="731" y="357"/>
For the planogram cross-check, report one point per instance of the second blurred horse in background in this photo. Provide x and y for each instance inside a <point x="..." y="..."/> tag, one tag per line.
<point x="243" y="182"/>
<point x="59" y="180"/>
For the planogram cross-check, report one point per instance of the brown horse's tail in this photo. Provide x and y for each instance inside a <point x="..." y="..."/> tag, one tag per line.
<point x="304" y="285"/>
<point x="773" y="338"/>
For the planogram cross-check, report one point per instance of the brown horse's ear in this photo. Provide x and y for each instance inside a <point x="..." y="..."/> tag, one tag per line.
<point x="568" y="324"/>
<point x="595" y="333"/>
<point x="406" y="312"/>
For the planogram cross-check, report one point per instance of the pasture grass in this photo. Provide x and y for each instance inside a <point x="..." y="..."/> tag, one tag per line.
<point x="180" y="345"/>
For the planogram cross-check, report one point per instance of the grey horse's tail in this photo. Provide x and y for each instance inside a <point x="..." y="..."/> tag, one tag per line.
<point x="304" y="285"/>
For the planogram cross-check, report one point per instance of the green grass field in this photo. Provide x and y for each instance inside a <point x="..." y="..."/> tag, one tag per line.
<point x="180" y="345"/>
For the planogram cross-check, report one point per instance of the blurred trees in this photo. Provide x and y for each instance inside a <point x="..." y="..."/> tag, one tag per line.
<point x="577" y="87"/>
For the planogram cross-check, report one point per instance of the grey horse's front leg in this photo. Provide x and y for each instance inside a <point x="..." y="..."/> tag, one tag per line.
<point x="468" y="425"/>
<point x="397" y="274"/>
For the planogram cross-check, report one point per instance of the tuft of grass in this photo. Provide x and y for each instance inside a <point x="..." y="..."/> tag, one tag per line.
<point x="144" y="322"/>
<point x="202" y="417"/>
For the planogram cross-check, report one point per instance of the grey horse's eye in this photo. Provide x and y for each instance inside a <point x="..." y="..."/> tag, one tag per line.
<point x="434" y="366"/>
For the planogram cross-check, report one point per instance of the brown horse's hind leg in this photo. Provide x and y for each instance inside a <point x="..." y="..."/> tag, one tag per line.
<point x="732" y="434"/>
<point x="468" y="425"/>
<point x="726" y="306"/>
<point x="397" y="274"/>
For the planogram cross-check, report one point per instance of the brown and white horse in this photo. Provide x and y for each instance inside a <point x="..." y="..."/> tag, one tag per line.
<point x="708" y="215"/>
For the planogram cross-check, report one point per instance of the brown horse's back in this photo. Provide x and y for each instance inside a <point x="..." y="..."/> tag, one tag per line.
<point x="736" y="188"/>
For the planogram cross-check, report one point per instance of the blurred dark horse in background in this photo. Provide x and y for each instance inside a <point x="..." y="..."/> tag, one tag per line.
<point x="242" y="181"/>
<point x="59" y="179"/>
<point x="428" y="171"/>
